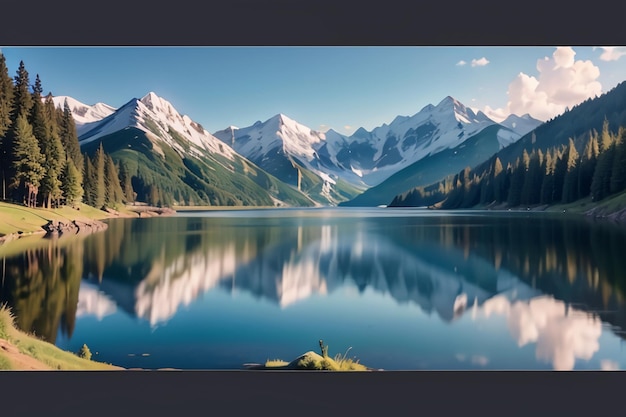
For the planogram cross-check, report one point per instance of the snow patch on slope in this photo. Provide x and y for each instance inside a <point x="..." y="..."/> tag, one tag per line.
<point x="155" y="115"/>
<point x="84" y="115"/>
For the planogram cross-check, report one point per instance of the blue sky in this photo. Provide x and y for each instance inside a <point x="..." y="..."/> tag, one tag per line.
<point x="321" y="87"/>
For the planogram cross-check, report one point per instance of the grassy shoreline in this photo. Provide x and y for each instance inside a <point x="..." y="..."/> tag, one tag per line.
<point x="19" y="222"/>
<point x="22" y="351"/>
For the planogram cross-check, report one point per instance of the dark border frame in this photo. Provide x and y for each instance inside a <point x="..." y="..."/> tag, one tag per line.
<point x="313" y="22"/>
<point x="303" y="23"/>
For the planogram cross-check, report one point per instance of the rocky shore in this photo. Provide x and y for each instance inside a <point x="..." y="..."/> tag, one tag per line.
<point x="57" y="228"/>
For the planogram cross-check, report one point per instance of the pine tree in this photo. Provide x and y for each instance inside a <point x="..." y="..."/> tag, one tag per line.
<point x="27" y="162"/>
<point x="126" y="183"/>
<point x="606" y="139"/>
<point x="601" y="182"/>
<point x="71" y="183"/>
<point x="532" y="182"/>
<point x="588" y="162"/>
<point x="618" y="172"/>
<point x="56" y="159"/>
<point x="44" y="129"/>
<point x="6" y="97"/>
<point x="114" y="193"/>
<point x="570" y="181"/>
<point x="6" y="109"/>
<point x="560" y="169"/>
<point x="517" y="180"/>
<point x="67" y="133"/>
<point x="22" y="100"/>
<point x="99" y="177"/>
<point x="547" y="185"/>
<point x="21" y="104"/>
<point x="89" y="182"/>
<point x="498" y="180"/>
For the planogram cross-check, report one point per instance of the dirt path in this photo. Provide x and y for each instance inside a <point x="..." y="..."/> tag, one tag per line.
<point x="18" y="360"/>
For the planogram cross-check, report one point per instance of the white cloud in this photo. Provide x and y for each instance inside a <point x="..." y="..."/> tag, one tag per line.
<point x="497" y="115"/>
<point x="480" y="62"/>
<point x="562" y="82"/>
<point x="461" y="63"/>
<point x="612" y="53"/>
<point x="347" y="127"/>
<point x="323" y="128"/>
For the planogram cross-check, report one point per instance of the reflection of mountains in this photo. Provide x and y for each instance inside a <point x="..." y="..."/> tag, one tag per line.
<point x="437" y="279"/>
<point x="306" y="261"/>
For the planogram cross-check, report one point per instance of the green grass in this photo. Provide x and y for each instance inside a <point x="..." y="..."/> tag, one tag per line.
<point x="16" y="218"/>
<point x="273" y="363"/>
<point x="48" y="354"/>
<point x="606" y="206"/>
<point x="315" y="362"/>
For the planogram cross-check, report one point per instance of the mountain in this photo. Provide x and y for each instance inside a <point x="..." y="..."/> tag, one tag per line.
<point x="520" y="125"/>
<point x="84" y="114"/>
<point x="438" y="141"/>
<point x="434" y="167"/>
<point x="579" y="126"/>
<point x="290" y="151"/>
<point x="387" y="149"/>
<point x="171" y="152"/>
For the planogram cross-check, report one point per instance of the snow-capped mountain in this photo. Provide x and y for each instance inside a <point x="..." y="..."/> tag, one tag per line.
<point x="84" y="114"/>
<point x="518" y="125"/>
<point x="158" y="118"/>
<point x="387" y="149"/>
<point x="366" y="158"/>
<point x="289" y="150"/>
<point x="189" y="162"/>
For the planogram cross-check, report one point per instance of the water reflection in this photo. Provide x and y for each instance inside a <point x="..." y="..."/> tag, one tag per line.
<point x="562" y="334"/>
<point x="93" y="302"/>
<point x="554" y="280"/>
<point x="41" y="286"/>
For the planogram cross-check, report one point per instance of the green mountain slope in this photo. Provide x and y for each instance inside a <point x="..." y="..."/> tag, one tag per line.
<point x="209" y="179"/>
<point x="432" y="168"/>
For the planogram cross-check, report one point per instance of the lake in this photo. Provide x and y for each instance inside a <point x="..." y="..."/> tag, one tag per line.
<point x="398" y="289"/>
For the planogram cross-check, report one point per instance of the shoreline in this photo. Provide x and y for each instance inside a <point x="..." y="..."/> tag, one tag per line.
<point x="83" y="220"/>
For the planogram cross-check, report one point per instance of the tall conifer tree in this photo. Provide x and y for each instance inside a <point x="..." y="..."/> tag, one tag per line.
<point x="99" y="177"/>
<point x="114" y="193"/>
<point x="68" y="135"/>
<point x="570" y="181"/>
<point x="27" y="162"/>
<point x="71" y="183"/>
<point x="6" y="109"/>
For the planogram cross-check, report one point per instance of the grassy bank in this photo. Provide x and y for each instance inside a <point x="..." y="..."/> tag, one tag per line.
<point x="23" y="220"/>
<point x="21" y="351"/>
<point x="183" y="209"/>
<point x="311" y="361"/>
<point x="20" y="221"/>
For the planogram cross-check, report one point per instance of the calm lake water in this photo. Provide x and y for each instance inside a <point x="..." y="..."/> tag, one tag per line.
<point x="405" y="289"/>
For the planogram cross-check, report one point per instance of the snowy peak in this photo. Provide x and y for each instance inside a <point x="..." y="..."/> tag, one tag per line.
<point x="516" y="127"/>
<point x="161" y="122"/>
<point x="521" y="124"/>
<point x="158" y="104"/>
<point x="83" y="113"/>
<point x="278" y="132"/>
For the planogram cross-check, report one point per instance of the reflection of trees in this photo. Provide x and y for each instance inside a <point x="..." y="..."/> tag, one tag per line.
<point x="41" y="286"/>
<point x="151" y="266"/>
<point x="285" y="260"/>
<point x="574" y="259"/>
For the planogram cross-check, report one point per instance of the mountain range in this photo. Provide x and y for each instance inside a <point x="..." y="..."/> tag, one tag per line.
<point x="281" y="162"/>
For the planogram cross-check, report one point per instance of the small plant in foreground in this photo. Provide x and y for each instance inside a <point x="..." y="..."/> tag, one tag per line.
<point x="324" y="349"/>
<point x="84" y="352"/>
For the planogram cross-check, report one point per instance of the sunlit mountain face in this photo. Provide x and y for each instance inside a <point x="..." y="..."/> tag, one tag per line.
<point x="500" y="293"/>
